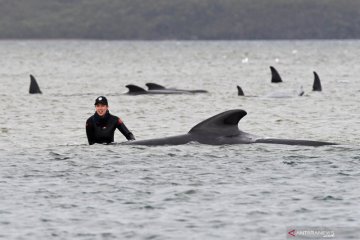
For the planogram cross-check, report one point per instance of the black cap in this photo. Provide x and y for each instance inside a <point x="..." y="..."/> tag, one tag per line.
<point x="101" y="100"/>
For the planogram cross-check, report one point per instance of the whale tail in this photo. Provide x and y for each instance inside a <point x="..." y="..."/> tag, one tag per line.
<point x="154" y="86"/>
<point x="317" y="83"/>
<point x="34" y="87"/>
<point x="240" y="91"/>
<point x="275" y="76"/>
<point x="133" y="89"/>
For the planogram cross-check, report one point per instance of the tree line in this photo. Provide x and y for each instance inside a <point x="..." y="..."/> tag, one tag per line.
<point x="180" y="19"/>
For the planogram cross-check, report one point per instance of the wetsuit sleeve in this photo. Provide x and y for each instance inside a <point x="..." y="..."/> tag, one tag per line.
<point x="124" y="130"/>
<point x="90" y="132"/>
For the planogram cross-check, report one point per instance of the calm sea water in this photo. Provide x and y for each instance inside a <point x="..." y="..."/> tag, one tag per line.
<point x="54" y="186"/>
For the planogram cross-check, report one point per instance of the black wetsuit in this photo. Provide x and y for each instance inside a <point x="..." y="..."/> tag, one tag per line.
<point x="102" y="129"/>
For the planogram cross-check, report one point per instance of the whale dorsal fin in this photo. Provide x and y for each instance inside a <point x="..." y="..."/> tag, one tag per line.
<point x="133" y="89"/>
<point x="34" y="87"/>
<point x="240" y="91"/>
<point x="317" y="83"/>
<point x="154" y="86"/>
<point x="225" y="123"/>
<point x="275" y="76"/>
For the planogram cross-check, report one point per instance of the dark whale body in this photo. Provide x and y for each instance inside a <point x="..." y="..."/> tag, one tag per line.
<point x="222" y="129"/>
<point x="136" y="90"/>
<point x="34" y="87"/>
<point x="278" y="94"/>
<point x="275" y="76"/>
<point x="155" y="86"/>
<point x="240" y="91"/>
<point x="317" y="83"/>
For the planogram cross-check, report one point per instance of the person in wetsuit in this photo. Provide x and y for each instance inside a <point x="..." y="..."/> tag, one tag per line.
<point x="101" y="126"/>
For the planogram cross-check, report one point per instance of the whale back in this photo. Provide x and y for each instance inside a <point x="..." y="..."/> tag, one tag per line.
<point x="223" y="124"/>
<point x="223" y="129"/>
<point x="133" y="89"/>
<point x="154" y="86"/>
<point x="34" y="87"/>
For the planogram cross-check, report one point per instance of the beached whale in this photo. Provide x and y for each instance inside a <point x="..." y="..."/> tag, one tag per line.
<point x="155" y="86"/>
<point x="34" y="87"/>
<point x="284" y="93"/>
<point x="158" y="89"/>
<point x="275" y="78"/>
<point x="222" y="129"/>
<point x="136" y="90"/>
<point x="288" y="93"/>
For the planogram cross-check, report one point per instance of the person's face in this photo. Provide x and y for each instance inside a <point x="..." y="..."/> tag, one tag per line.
<point x="101" y="109"/>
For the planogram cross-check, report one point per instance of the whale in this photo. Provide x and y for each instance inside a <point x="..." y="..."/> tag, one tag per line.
<point x="223" y="129"/>
<point x="155" y="86"/>
<point x="34" y="87"/>
<point x="240" y="91"/>
<point x="275" y="76"/>
<point x="317" y="83"/>
<point x="136" y="90"/>
<point x="284" y="93"/>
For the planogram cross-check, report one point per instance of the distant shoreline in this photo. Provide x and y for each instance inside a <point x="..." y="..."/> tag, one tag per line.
<point x="164" y="20"/>
<point x="172" y="40"/>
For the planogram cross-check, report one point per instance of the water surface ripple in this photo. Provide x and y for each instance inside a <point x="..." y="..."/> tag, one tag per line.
<point x="55" y="186"/>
